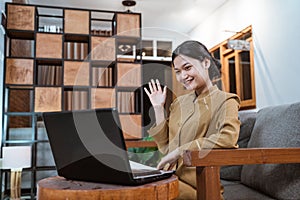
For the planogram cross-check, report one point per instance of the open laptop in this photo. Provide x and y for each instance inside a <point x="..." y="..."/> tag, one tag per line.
<point x="89" y="145"/>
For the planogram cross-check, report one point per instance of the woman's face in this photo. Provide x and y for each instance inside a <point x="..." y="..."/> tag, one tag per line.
<point x="191" y="73"/>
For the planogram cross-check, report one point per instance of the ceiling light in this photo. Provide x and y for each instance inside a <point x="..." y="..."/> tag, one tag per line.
<point x="128" y="3"/>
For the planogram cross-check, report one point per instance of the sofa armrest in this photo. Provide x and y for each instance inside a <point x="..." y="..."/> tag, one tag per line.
<point x="208" y="163"/>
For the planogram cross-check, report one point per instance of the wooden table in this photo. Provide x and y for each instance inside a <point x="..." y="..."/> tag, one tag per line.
<point x="58" y="188"/>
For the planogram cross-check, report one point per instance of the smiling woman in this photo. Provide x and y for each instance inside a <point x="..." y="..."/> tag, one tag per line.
<point x="205" y="118"/>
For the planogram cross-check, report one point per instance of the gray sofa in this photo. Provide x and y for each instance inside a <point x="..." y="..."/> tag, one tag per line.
<point x="277" y="126"/>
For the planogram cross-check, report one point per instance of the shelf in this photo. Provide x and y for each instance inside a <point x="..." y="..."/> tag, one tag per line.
<point x="76" y="38"/>
<point x="60" y="59"/>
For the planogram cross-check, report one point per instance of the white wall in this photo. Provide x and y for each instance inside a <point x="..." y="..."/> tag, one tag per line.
<point x="276" y="35"/>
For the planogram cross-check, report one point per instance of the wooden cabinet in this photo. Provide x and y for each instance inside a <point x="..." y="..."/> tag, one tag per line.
<point x="237" y="72"/>
<point x="69" y="62"/>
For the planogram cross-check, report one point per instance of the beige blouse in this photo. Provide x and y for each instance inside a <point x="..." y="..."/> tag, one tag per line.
<point x="207" y="121"/>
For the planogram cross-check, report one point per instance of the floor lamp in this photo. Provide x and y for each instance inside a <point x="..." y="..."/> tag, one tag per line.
<point x="16" y="158"/>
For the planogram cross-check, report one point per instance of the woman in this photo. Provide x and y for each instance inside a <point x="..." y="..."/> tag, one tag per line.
<point x="205" y="118"/>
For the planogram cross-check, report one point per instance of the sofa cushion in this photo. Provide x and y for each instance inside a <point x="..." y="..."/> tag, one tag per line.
<point x="277" y="126"/>
<point x="234" y="190"/>
<point x="247" y="121"/>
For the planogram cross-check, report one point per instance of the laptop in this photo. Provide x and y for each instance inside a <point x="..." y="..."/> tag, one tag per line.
<point x="88" y="145"/>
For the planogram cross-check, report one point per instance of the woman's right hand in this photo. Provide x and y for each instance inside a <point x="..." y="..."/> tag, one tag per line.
<point x="156" y="95"/>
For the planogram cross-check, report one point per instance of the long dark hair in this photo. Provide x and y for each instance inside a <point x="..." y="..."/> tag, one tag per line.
<point x="197" y="50"/>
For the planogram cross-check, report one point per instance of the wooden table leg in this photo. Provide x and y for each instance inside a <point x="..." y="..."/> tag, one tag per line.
<point x="208" y="183"/>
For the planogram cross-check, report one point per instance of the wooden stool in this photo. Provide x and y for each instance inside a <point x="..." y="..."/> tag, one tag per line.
<point x="58" y="188"/>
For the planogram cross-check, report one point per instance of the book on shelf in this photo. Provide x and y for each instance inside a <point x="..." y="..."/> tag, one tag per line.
<point x="49" y="75"/>
<point x="126" y="102"/>
<point x="102" y="77"/>
<point x="75" y="100"/>
<point x="50" y="29"/>
<point x="75" y="50"/>
<point x="101" y="32"/>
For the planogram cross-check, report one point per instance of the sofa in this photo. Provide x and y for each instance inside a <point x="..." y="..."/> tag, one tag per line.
<point x="267" y="164"/>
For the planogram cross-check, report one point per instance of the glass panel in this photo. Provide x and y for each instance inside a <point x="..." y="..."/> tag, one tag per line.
<point x="164" y="48"/>
<point x="19" y="128"/>
<point x="147" y="48"/>
<point x="216" y="54"/>
<point x="245" y="75"/>
<point x="50" y="20"/>
<point x="232" y="78"/>
<point x="103" y="28"/>
<point x="44" y="155"/>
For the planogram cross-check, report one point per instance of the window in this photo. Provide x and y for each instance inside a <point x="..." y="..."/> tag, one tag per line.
<point x="238" y="67"/>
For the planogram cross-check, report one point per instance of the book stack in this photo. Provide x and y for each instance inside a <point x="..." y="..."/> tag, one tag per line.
<point x="49" y="75"/>
<point x="75" y="99"/>
<point x="126" y="102"/>
<point x="101" y="32"/>
<point x="50" y="29"/>
<point x="102" y="77"/>
<point x="75" y="50"/>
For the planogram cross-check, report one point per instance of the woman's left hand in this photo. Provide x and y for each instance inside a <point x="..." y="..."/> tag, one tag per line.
<point x="169" y="161"/>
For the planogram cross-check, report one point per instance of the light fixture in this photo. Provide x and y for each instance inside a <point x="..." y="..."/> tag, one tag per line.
<point x="128" y="4"/>
<point x="16" y="158"/>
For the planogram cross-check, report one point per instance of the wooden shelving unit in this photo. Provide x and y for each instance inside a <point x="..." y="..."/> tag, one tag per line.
<point x="69" y="59"/>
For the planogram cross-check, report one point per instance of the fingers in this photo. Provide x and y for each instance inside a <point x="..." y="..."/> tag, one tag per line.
<point x="155" y="86"/>
<point x="161" y="165"/>
<point x="147" y="92"/>
<point x="165" y="166"/>
<point x="158" y="85"/>
<point x="150" y="87"/>
<point x="165" y="91"/>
